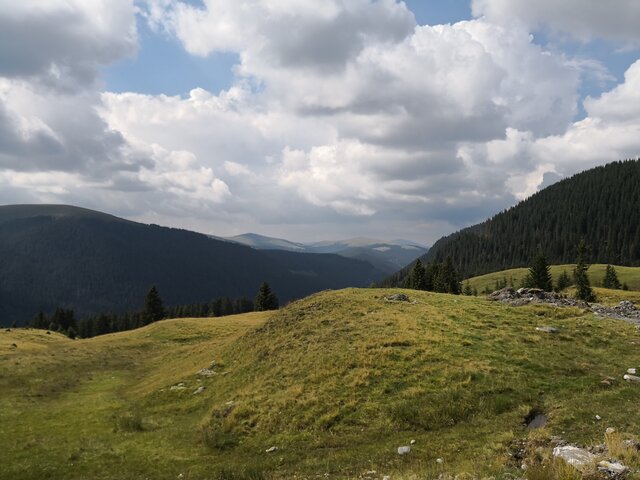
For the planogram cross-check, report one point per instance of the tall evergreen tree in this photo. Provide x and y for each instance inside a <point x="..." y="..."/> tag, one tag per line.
<point x="611" y="278"/>
<point x="583" y="287"/>
<point x="265" y="299"/>
<point x="153" y="307"/>
<point x="539" y="273"/>
<point x="417" y="279"/>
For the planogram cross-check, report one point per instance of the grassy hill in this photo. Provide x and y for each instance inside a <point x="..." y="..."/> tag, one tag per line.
<point x="514" y="276"/>
<point x="336" y="381"/>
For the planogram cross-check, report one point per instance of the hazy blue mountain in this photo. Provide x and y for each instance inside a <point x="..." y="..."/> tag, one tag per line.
<point x="385" y="256"/>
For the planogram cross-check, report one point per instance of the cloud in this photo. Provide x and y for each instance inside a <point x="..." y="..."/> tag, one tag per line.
<point x="610" y="131"/>
<point x="55" y="146"/>
<point x="584" y="20"/>
<point x="62" y="44"/>
<point x="342" y="115"/>
<point x="323" y="34"/>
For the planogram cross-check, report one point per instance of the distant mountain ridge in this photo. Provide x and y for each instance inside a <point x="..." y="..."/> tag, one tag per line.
<point x="57" y="255"/>
<point x="385" y="256"/>
<point x="601" y="205"/>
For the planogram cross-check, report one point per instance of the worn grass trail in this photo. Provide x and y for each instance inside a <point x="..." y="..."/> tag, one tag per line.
<point x="336" y="381"/>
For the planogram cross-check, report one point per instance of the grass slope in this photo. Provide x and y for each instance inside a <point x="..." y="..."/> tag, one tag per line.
<point x="336" y="381"/>
<point x="628" y="275"/>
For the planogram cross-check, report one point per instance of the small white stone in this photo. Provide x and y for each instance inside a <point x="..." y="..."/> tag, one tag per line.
<point x="271" y="450"/>
<point x="613" y="467"/>
<point x="439" y="461"/>
<point x="631" y="371"/>
<point x="610" y="430"/>
<point x="598" y="417"/>
<point x="412" y="442"/>
<point x="404" y="450"/>
<point x="632" y="378"/>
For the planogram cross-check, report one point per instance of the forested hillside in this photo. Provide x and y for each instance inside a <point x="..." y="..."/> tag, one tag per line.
<point x="54" y="256"/>
<point x="601" y="205"/>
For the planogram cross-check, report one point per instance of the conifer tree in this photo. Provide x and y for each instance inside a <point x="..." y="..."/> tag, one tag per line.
<point x="539" y="273"/>
<point x="153" y="308"/>
<point x="564" y="281"/>
<point x="611" y="279"/>
<point x="583" y="287"/>
<point x="265" y="299"/>
<point x="417" y="279"/>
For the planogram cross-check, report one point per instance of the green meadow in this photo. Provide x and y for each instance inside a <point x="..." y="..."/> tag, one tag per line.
<point x="336" y="382"/>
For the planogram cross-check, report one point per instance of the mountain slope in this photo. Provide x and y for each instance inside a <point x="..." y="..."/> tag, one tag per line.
<point x="601" y="205"/>
<point x="93" y="262"/>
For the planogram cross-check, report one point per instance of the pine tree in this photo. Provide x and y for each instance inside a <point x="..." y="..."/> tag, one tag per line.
<point x="564" y="281"/>
<point x="153" y="308"/>
<point x="417" y="279"/>
<point x="583" y="287"/>
<point x="265" y="299"/>
<point x="611" y="279"/>
<point x="540" y="274"/>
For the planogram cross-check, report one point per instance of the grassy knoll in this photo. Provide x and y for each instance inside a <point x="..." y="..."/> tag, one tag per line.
<point x="336" y="381"/>
<point x="628" y="275"/>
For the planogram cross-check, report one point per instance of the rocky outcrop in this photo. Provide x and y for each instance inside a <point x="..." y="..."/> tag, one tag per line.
<point x="625" y="310"/>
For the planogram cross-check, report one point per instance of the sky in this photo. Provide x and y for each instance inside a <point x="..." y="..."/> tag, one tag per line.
<point x="312" y="119"/>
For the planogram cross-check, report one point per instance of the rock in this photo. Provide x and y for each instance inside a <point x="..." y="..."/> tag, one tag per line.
<point x="574" y="456"/>
<point x="632" y="378"/>
<point x="439" y="461"/>
<point x="271" y="450"/>
<point x="206" y="372"/>
<point x="199" y="390"/>
<point x="615" y="468"/>
<point x="230" y="403"/>
<point x="538" y="421"/>
<point x="412" y="442"/>
<point x="598" y="417"/>
<point x="632" y="444"/>
<point x="631" y="371"/>
<point x="397" y="297"/>
<point x="404" y="450"/>
<point x="610" y="430"/>
<point x="548" y="330"/>
<point x="178" y="387"/>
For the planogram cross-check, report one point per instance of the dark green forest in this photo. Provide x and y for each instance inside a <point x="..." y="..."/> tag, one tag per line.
<point x="72" y="258"/>
<point x="601" y="206"/>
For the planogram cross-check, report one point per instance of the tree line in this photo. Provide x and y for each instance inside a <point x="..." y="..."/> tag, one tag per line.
<point x="444" y="278"/>
<point x="63" y="320"/>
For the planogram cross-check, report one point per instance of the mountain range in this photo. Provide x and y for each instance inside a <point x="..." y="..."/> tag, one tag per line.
<point x="57" y="255"/>
<point x="388" y="257"/>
